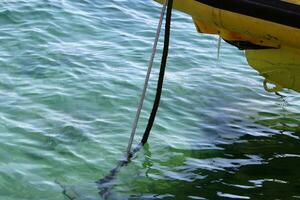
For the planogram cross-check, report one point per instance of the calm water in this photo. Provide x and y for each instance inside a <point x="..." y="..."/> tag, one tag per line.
<point x="70" y="77"/>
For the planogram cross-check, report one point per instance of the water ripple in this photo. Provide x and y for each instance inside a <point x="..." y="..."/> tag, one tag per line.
<point x="71" y="73"/>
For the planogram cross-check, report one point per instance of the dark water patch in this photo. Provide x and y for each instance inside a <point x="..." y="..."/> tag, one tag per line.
<point x="285" y="123"/>
<point x="7" y="18"/>
<point x="72" y="134"/>
<point x="233" y="170"/>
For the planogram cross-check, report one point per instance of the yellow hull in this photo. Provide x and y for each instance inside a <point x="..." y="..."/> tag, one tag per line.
<point x="272" y="47"/>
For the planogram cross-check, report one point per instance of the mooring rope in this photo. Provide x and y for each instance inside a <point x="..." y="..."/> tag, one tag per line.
<point x="161" y="73"/>
<point x="105" y="184"/>
<point x="142" y="99"/>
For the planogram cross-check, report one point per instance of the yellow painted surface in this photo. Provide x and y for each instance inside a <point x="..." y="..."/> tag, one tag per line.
<point x="280" y="66"/>
<point x="256" y="30"/>
<point x="293" y="1"/>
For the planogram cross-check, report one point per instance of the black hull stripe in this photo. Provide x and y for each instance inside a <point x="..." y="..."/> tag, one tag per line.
<point x="271" y="10"/>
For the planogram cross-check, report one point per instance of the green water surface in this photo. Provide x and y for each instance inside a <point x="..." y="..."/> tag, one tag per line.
<point x="71" y="72"/>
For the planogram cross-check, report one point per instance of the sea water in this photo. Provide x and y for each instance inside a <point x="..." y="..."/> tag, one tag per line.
<point x="71" y="74"/>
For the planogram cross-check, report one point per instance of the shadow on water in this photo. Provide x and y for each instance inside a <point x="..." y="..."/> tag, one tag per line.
<point x="258" y="167"/>
<point x="250" y="167"/>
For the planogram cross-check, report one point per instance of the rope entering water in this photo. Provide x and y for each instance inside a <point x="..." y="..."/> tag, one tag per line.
<point x="142" y="99"/>
<point x="161" y="73"/>
<point x="105" y="184"/>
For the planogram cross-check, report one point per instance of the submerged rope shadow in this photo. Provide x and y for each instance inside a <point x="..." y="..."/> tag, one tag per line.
<point x="64" y="191"/>
<point x="105" y="185"/>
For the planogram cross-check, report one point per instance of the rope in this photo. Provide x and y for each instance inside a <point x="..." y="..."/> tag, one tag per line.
<point x="105" y="184"/>
<point x="141" y="102"/>
<point x="161" y="73"/>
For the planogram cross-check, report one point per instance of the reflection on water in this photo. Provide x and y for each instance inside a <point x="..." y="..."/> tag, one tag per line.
<point x="252" y="167"/>
<point x="264" y="166"/>
<point x="71" y="73"/>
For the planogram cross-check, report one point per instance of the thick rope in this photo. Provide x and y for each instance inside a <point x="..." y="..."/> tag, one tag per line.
<point x="141" y="102"/>
<point x="105" y="184"/>
<point x="161" y="73"/>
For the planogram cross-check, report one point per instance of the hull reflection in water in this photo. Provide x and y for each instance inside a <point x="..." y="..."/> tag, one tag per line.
<point x="250" y="167"/>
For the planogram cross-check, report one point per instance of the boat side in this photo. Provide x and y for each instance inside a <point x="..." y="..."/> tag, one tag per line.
<point x="235" y="25"/>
